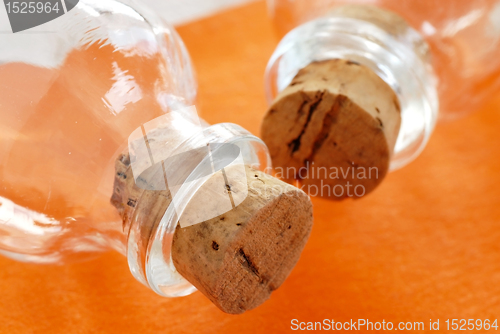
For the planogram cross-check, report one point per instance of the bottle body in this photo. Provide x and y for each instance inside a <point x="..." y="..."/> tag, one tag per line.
<point x="106" y="85"/>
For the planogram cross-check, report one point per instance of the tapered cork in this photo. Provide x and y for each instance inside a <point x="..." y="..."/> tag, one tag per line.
<point x="236" y="259"/>
<point x="240" y="257"/>
<point x="334" y="128"/>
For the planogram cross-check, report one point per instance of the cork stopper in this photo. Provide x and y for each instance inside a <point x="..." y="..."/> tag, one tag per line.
<point x="334" y="128"/>
<point x="236" y="259"/>
<point x="240" y="257"/>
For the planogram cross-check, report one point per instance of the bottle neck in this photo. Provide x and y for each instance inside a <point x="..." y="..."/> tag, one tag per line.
<point x="153" y="198"/>
<point x="398" y="55"/>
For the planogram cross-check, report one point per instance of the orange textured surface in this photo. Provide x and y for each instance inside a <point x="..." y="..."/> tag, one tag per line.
<point x="425" y="245"/>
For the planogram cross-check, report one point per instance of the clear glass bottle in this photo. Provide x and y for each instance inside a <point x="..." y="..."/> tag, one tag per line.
<point x="73" y="90"/>
<point x="436" y="55"/>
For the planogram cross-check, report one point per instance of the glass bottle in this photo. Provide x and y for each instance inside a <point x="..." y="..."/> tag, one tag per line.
<point x="440" y="57"/>
<point x="73" y="93"/>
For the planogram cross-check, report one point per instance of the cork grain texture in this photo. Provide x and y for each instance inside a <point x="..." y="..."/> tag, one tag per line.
<point x="337" y="115"/>
<point x="239" y="258"/>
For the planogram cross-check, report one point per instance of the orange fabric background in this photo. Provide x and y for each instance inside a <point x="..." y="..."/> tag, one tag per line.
<point x="425" y="245"/>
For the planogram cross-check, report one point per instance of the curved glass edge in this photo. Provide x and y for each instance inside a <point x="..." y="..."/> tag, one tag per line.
<point x="160" y="273"/>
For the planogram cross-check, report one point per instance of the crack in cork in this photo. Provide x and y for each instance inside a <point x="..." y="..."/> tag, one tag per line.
<point x="295" y="143"/>
<point x="247" y="263"/>
<point x="328" y="121"/>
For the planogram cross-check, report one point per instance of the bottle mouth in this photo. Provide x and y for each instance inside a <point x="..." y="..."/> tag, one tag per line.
<point x="153" y="265"/>
<point x="393" y="59"/>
